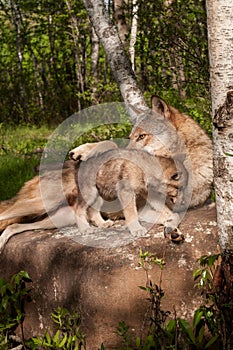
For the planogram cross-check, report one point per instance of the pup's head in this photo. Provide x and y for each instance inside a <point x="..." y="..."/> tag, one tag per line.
<point x="175" y="177"/>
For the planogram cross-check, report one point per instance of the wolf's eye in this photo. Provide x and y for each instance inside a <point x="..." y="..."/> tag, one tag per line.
<point x="141" y="137"/>
<point x="176" y="176"/>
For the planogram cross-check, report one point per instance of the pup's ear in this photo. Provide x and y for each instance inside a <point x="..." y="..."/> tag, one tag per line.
<point x="180" y="157"/>
<point x="158" y="105"/>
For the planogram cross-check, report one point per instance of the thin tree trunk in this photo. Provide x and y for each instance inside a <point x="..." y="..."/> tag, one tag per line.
<point x="95" y="48"/>
<point x="119" y="62"/>
<point x="220" y="29"/>
<point x="17" y="21"/>
<point x="75" y="36"/>
<point x="120" y="21"/>
<point x="133" y="36"/>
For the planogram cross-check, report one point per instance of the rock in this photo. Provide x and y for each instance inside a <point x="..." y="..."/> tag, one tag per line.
<point x="101" y="280"/>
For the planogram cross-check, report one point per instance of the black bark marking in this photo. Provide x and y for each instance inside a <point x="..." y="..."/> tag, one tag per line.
<point x="224" y="114"/>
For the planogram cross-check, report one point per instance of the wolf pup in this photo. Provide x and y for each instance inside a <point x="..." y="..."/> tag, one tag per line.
<point x="128" y="175"/>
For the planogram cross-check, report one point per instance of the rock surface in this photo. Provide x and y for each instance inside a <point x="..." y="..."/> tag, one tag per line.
<point x="102" y="279"/>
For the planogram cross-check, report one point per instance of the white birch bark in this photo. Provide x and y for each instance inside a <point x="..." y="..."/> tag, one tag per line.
<point x="120" y="19"/>
<point x="118" y="60"/>
<point x="94" y="54"/>
<point x="220" y="37"/>
<point x="133" y="36"/>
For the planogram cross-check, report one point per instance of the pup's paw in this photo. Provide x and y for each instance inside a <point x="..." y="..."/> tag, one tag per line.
<point x="173" y="234"/>
<point x="84" y="229"/>
<point x="107" y="223"/>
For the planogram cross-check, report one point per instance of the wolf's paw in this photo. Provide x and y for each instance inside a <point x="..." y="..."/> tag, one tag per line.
<point x="140" y="232"/>
<point x="173" y="234"/>
<point x="107" y="223"/>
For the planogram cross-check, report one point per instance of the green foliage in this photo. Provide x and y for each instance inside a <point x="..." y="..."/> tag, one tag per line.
<point x="46" y="58"/>
<point x="13" y="294"/>
<point x="20" y="153"/>
<point x="21" y="149"/>
<point x="177" y="333"/>
<point x="68" y="335"/>
<point x="105" y="132"/>
<point x="165" y="332"/>
<point x="22" y="140"/>
<point x="15" y="171"/>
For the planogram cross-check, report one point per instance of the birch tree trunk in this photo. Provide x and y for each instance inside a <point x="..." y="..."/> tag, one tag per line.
<point x="75" y="35"/>
<point x="220" y="36"/>
<point x="133" y="36"/>
<point x="118" y="60"/>
<point x="120" y="19"/>
<point x="95" y="45"/>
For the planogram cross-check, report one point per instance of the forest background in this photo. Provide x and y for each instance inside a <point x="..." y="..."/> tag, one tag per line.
<point x="52" y="65"/>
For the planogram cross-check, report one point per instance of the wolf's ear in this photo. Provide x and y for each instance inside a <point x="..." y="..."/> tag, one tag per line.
<point x="158" y="105"/>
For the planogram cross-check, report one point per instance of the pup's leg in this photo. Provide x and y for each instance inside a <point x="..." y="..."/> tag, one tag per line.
<point x="127" y="198"/>
<point x="95" y="216"/>
<point x="63" y="217"/>
<point x="81" y="217"/>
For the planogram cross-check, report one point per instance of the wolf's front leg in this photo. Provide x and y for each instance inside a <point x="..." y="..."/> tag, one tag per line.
<point x="171" y="224"/>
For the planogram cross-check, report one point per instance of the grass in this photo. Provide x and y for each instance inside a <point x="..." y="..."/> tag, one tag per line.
<point x="19" y="156"/>
<point x="14" y="171"/>
<point x="20" y="148"/>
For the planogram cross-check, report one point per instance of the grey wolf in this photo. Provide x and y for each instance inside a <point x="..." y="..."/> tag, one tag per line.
<point x="27" y="210"/>
<point x="129" y="176"/>
<point x="199" y="160"/>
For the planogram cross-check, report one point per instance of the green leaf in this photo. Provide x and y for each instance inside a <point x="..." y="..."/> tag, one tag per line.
<point x="197" y="274"/>
<point x="56" y="336"/>
<point x="25" y="276"/>
<point x="211" y="341"/>
<point x="201" y="335"/>
<point x="197" y="317"/>
<point x="170" y="326"/>
<point x="48" y="338"/>
<point x="185" y="326"/>
<point x="143" y="288"/>
<point x="62" y="343"/>
<point x="138" y="342"/>
<point x="209" y="260"/>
